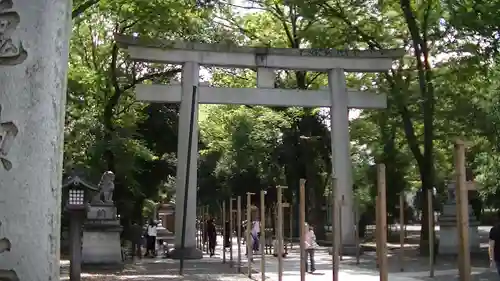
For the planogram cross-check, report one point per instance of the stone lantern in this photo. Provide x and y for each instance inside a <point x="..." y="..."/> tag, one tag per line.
<point x="76" y="195"/>
<point x="448" y="223"/>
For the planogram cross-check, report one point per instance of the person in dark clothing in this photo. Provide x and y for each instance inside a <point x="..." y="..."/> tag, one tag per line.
<point x="227" y="234"/>
<point x="243" y="232"/>
<point x="136" y="239"/>
<point x="494" y="246"/>
<point x="205" y="223"/>
<point x="211" y="234"/>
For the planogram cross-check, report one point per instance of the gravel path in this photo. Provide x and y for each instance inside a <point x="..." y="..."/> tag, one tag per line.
<point x="163" y="269"/>
<point x="485" y="276"/>
<point x="212" y="269"/>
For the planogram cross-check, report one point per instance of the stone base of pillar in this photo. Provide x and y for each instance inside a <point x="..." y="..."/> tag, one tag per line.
<point x="348" y="250"/>
<point x="191" y="253"/>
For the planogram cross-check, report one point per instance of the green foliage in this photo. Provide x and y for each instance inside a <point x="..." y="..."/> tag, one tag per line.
<point x="106" y="128"/>
<point x="445" y="87"/>
<point x="246" y="139"/>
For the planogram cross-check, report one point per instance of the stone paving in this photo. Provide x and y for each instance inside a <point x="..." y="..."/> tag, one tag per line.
<point x="162" y="270"/>
<point x="416" y="268"/>
<point x="212" y="269"/>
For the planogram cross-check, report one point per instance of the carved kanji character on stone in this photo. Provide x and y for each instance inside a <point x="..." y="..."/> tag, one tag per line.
<point x="4" y="244"/>
<point x="7" y="275"/>
<point x="11" y="51"/>
<point x="8" y="133"/>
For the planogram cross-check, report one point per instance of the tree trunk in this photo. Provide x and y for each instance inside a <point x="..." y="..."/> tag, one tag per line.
<point x="33" y="91"/>
<point x="426" y="162"/>
<point x="109" y="108"/>
<point x="427" y="184"/>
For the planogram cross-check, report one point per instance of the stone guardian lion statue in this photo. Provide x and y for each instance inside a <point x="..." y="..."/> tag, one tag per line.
<point x="106" y="188"/>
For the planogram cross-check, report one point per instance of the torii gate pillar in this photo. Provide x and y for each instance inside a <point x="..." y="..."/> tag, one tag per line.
<point x="341" y="156"/>
<point x="190" y="78"/>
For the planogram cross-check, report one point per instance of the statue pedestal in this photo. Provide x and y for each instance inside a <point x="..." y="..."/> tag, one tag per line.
<point x="164" y="238"/>
<point x="101" y="236"/>
<point x="448" y="233"/>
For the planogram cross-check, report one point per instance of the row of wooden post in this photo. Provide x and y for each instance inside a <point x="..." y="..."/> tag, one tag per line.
<point x="381" y="226"/>
<point x="336" y="215"/>
<point x="279" y="233"/>
<point x="462" y="218"/>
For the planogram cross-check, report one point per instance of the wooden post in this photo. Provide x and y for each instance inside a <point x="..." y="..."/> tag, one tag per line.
<point x="205" y="217"/>
<point x="274" y="215"/>
<point x="285" y="245"/>
<point x="430" y="225"/>
<point x="280" y="232"/>
<point x="223" y="231"/>
<point x="263" y="234"/>
<point x="377" y="229"/>
<point x="462" y="212"/>
<point x="200" y="228"/>
<point x="291" y="224"/>
<point x="302" y="222"/>
<point x="75" y="228"/>
<point x="238" y="230"/>
<point x="231" y="230"/>
<point x="402" y="232"/>
<point x="341" y="204"/>
<point x="249" y="229"/>
<point x="197" y="227"/>
<point x="335" y="232"/>
<point x="356" y="231"/>
<point x="382" y="211"/>
<point x="208" y="216"/>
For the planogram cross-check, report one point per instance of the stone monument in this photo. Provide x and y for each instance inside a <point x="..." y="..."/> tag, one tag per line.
<point x="101" y="234"/>
<point x="448" y="225"/>
<point x="165" y="211"/>
<point x="34" y="40"/>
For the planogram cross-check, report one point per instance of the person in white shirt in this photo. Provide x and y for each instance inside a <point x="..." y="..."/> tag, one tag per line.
<point x="255" y="235"/>
<point x="310" y="246"/>
<point x="151" y="238"/>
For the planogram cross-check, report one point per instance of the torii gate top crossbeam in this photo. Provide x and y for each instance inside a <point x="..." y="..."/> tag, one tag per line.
<point x="231" y="56"/>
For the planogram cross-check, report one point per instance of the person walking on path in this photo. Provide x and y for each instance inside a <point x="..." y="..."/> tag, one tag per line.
<point x="494" y="246"/>
<point x="255" y="232"/>
<point x="310" y="246"/>
<point x="243" y="232"/>
<point x="151" y="238"/>
<point x="227" y="235"/>
<point x="136" y="239"/>
<point x="204" y="230"/>
<point x="211" y="234"/>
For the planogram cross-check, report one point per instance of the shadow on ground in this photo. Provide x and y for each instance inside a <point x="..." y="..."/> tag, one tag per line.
<point x="160" y="269"/>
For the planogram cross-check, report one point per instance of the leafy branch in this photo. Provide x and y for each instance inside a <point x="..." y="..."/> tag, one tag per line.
<point x="80" y="9"/>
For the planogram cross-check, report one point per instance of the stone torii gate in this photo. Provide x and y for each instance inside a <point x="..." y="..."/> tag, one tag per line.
<point x="265" y="60"/>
